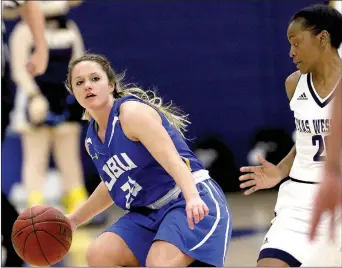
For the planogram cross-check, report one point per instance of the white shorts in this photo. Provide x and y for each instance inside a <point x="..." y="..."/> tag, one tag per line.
<point x="287" y="239"/>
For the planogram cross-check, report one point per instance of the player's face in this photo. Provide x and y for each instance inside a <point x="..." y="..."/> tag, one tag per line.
<point x="305" y="48"/>
<point x="90" y="85"/>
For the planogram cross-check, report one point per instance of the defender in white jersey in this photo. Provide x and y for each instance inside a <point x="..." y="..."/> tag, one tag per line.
<point x="315" y="35"/>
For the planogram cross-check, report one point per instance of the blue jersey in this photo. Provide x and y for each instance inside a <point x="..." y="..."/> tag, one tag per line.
<point x="133" y="177"/>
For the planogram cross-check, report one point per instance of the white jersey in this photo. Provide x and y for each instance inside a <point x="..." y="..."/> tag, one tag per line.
<point x="313" y="121"/>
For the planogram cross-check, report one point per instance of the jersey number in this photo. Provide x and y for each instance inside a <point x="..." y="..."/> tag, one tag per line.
<point x="321" y="142"/>
<point x="132" y="188"/>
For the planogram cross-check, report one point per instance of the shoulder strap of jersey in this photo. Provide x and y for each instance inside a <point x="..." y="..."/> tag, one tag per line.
<point x="301" y="84"/>
<point x="120" y="101"/>
<point x="301" y="78"/>
<point x="90" y="129"/>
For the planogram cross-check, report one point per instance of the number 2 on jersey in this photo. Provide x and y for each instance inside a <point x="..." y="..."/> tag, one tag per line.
<point x="132" y="188"/>
<point x="321" y="142"/>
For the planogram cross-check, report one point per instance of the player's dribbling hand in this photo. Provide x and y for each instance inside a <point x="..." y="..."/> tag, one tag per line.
<point x="72" y="222"/>
<point x="260" y="177"/>
<point x="328" y="199"/>
<point x="196" y="210"/>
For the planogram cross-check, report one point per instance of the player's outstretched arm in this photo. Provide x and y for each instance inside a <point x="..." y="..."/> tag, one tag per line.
<point x="141" y="122"/>
<point x="286" y="164"/>
<point x="265" y="176"/>
<point x="268" y="175"/>
<point x="99" y="201"/>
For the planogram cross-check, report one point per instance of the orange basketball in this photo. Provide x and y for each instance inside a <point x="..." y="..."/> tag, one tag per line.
<point x="41" y="235"/>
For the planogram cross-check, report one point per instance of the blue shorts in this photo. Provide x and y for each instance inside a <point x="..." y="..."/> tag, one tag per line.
<point x="207" y="243"/>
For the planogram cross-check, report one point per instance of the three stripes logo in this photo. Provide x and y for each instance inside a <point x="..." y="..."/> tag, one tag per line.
<point x="302" y="97"/>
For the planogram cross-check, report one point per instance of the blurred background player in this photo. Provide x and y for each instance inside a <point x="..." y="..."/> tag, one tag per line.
<point x="53" y="116"/>
<point x="34" y="65"/>
<point x="315" y="36"/>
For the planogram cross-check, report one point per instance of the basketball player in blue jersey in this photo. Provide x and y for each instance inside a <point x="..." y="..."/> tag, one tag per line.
<point x="315" y="35"/>
<point x="177" y="215"/>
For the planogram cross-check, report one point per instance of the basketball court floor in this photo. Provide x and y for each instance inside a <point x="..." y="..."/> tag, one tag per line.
<point x="252" y="216"/>
<point x="251" y="219"/>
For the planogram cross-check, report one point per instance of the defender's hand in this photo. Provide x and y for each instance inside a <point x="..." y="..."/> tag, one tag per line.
<point x="260" y="177"/>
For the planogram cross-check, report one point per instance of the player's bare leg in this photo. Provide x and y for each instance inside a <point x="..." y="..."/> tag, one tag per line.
<point x="110" y="250"/>
<point x="36" y="150"/>
<point x="165" y="254"/>
<point x="66" y="150"/>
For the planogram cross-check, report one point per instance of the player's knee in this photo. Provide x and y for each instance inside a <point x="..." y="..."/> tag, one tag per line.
<point x="154" y="261"/>
<point x="168" y="260"/>
<point x="97" y="256"/>
<point x="92" y="254"/>
<point x="158" y="260"/>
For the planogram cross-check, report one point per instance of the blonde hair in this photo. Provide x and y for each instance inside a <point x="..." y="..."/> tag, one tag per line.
<point x="174" y="115"/>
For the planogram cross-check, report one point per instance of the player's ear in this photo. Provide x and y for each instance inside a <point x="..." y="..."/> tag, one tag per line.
<point x="111" y="87"/>
<point x="324" y="37"/>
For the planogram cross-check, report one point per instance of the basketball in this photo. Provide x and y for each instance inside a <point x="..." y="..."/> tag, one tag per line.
<point x="41" y="235"/>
